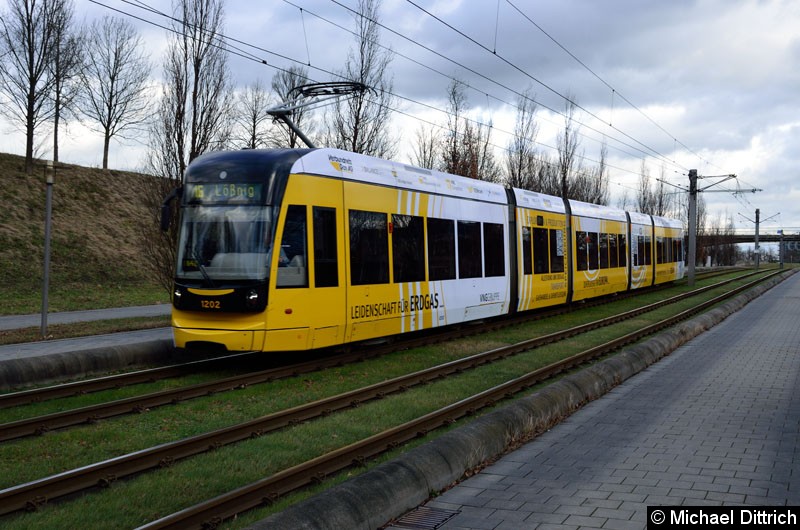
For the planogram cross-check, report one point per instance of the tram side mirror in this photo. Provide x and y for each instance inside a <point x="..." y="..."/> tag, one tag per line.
<point x="166" y="208"/>
<point x="166" y="217"/>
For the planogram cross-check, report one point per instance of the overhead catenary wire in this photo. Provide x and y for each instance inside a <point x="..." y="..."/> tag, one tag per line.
<point x="225" y="42"/>
<point x="614" y="91"/>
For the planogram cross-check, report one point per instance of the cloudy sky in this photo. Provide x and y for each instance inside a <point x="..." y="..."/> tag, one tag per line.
<point x="712" y="85"/>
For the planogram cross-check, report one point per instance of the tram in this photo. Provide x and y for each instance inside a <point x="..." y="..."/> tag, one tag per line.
<point x="298" y="249"/>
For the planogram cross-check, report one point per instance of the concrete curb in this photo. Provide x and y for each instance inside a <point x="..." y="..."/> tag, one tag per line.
<point x="386" y="492"/>
<point x="15" y="373"/>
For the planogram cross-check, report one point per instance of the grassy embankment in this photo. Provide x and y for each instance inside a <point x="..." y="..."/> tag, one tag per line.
<point x="98" y="222"/>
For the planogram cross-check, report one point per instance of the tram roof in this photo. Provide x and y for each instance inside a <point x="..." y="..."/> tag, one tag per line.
<point x="361" y="168"/>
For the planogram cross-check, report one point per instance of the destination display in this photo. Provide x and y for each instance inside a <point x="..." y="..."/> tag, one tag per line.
<point x="224" y="193"/>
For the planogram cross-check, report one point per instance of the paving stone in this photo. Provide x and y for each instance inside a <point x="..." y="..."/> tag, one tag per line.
<point x="713" y="423"/>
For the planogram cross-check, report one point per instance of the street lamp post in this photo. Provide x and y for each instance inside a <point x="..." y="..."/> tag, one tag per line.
<point x="50" y="177"/>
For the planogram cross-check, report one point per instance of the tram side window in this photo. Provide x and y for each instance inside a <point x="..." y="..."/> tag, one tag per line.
<point x="604" y="250"/>
<point x="326" y="265"/>
<point x="640" y="252"/>
<point x="613" y="251"/>
<point x="408" y="249"/>
<point x="556" y="251"/>
<point x="661" y="256"/>
<point x="494" y="255"/>
<point x="541" y="254"/>
<point x="582" y="250"/>
<point x="648" y="250"/>
<point x="677" y="250"/>
<point x="369" y="248"/>
<point x="623" y="250"/>
<point x="527" y="249"/>
<point x="668" y="250"/>
<point x="441" y="249"/>
<point x="292" y="270"/>
<point x="469" y="249"/>
<point x="594" y="251"/>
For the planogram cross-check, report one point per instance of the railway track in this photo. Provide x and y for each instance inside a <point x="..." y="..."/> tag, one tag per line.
<point x="90" y="414"/>
<point x="38" y="395"/>
<point x="30" y="495"/>
<point x="210" y="513"/>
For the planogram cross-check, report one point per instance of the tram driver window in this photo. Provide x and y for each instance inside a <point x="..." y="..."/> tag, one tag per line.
<point x="292" y="269"/>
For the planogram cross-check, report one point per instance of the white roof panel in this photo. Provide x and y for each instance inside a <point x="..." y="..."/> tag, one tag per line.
<point x="362" y="168"/>
<point x="539" y="201"/>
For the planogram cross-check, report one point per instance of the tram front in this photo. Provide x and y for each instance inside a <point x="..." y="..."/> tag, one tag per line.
<point x="229" y="205"/>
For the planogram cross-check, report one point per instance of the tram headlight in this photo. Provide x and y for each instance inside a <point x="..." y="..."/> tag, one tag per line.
<point x="177" y="294"/>
<point x="251" y="300"/>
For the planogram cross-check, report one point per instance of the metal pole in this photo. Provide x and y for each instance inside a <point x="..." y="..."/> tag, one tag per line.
<point x="692" y="224"/>
<point x="780" y="250"/>
<point x="758" y="251"/>
<point x="284" y="117"/>
<point x="50" y="176"/>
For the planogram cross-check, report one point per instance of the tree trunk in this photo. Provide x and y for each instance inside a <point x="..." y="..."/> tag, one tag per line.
<point x="106" y="141"/>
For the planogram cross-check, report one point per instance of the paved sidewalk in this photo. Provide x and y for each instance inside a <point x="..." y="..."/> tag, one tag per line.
<point x="70" y="317"/>
<point x="717" y="422"/>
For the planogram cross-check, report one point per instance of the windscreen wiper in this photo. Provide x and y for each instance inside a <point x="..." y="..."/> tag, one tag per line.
<point x="203" y="270"/>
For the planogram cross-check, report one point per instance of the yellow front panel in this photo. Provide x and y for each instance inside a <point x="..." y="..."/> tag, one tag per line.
<point x="596" y="280"/>
<point x="237" y="332"/>
<point x="232" y="340"/>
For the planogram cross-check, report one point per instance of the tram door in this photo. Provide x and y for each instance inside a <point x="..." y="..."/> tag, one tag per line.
<point x="306" y="307"/>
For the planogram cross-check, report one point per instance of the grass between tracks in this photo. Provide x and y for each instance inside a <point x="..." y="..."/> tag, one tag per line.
<point x="152" y="495"/>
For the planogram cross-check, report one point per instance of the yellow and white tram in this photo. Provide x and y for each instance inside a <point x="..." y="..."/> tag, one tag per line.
<point x="284" y="250"/>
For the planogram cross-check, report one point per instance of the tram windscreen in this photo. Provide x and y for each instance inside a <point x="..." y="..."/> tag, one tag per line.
<point x="225" y="243"/>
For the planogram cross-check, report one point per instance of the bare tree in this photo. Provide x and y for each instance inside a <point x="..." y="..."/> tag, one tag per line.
<point x="282" y="84"/>
<point x="251" y="120"/>
<point x="546" y="175"/>
<point x="65" y="67"/>
<point x="520" y="160"/>
<point x="453" y="159"/>
<point x="467" y="147"/>
<point x="426" y="146"/>
<point x="567" y="145"/>
<point x="624" y="200"/>
<point x="655" y="201"/>
<point x="662" y="202"/>
<point x="193" y="115"/>
<point x="361" y="123"/>
<point x="597" y="189"/>
<point x="115" y="79"/>
<point x="27" y="43"/>
<point x="645" y="197"/>
<point x="719" y="243"/>
<point x="194" y="112"/>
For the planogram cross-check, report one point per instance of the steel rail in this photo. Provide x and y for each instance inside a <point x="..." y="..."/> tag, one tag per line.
<point x="75" y="388"/>
<point x="93" y="413"/>
<point x="30" y="495"/>
<point x="36" y="395"/>
<point x="263" y="492"/>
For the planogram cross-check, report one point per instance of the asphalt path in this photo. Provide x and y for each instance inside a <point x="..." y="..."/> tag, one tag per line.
<point x="71" y="317"/>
